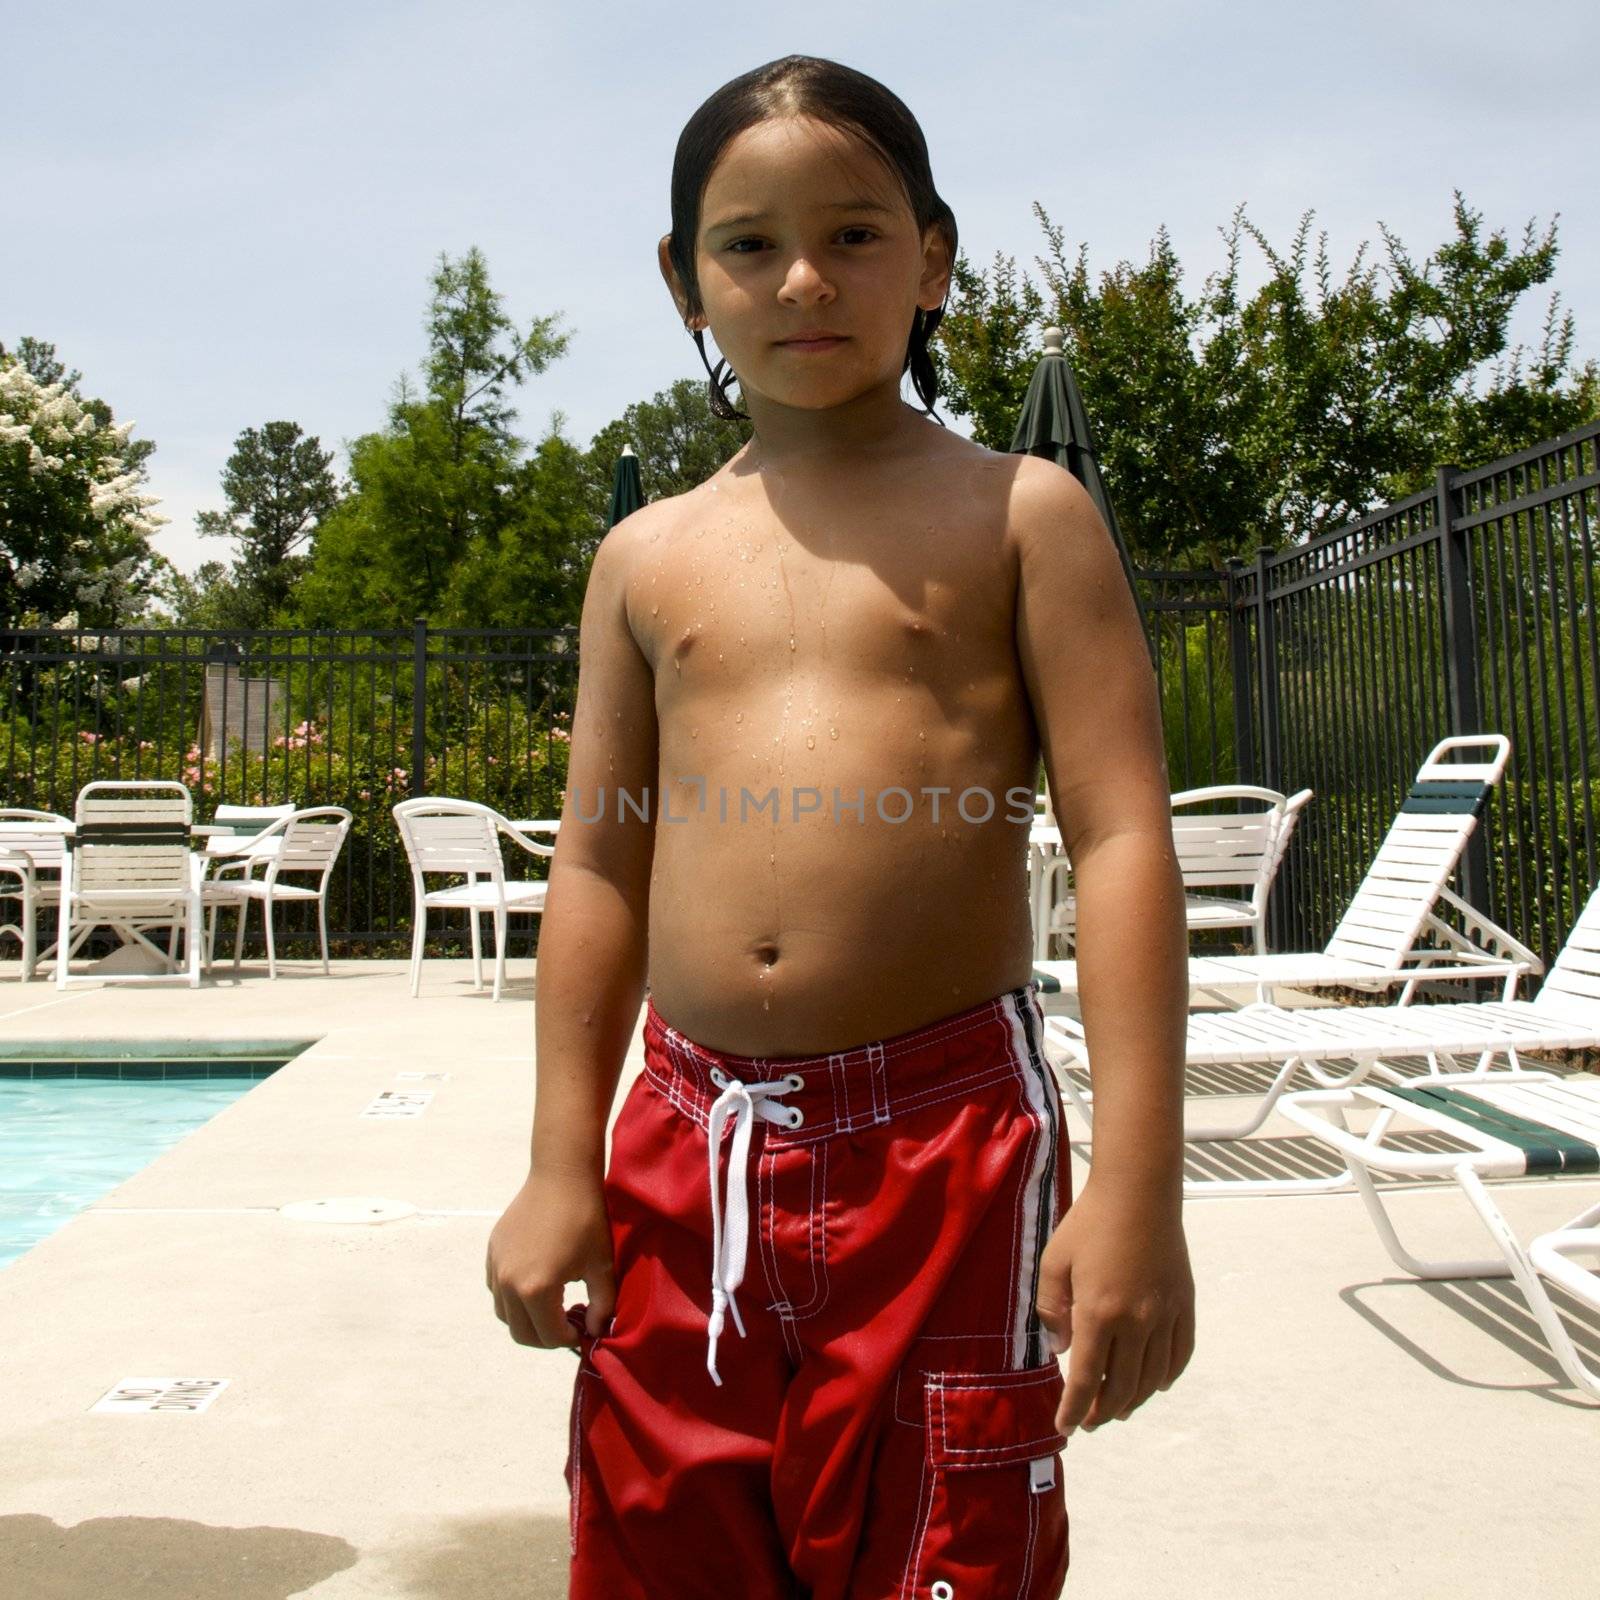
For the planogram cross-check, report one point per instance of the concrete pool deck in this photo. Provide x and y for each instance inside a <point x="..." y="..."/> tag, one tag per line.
<point x="1341" y="1432"/>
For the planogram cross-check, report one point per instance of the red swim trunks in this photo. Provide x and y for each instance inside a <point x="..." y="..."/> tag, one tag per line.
<point x="884" y="1425"/>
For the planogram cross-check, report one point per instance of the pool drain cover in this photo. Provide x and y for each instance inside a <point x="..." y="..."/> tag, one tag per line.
<point x="359" y="1208"/>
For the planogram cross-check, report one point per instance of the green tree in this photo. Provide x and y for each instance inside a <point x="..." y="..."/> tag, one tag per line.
<point x="1227" y="421"/>
<point x="278" y="490"/>
<point x="678" y="441"/>
<point x="75" y="520"/>
<point x="443" y="482"/>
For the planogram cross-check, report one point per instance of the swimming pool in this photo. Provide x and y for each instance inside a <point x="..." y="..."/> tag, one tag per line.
<point x="76" y="1119"/>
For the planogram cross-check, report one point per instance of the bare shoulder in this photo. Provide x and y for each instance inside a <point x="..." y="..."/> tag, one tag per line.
<point x="622" y="553"/>
<point x="1049" y="510"/>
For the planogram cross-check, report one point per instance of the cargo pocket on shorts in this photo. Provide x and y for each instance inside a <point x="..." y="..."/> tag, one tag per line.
<point x="993" y="1508"/>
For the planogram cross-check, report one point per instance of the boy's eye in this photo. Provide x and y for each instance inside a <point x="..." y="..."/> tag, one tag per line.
<point x="733" y="244"/>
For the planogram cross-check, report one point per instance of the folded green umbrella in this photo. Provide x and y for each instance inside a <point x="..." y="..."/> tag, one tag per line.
<point x="627" y="493"/>
<point x="1054" y="424"/>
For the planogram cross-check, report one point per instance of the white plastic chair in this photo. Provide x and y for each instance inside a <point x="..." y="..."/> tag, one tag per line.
<point x="1238" y="849"/>
<point x="250" y="824"/>
<point x="1391" y="932"/>
<point x="130" y="868"/>
<point x="463" y="837"/>
<point x="1564" y="1015"/>
<point x="1513" y="1126"/>
<point x="305" y="842"/>
<point x="33" y="851"/>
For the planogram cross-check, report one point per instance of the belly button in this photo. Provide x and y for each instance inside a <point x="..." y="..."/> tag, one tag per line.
<point x="767" y="954"/>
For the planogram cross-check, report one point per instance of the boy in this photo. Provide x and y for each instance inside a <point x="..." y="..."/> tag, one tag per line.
<point x="859" y="606"/>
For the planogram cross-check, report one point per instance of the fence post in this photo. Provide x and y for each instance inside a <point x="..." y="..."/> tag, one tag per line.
<point x="1267" y="660"/>
<point x="1244" y="751"/>
<point x="419" y="702"/>
<point x="1461" y="659"/>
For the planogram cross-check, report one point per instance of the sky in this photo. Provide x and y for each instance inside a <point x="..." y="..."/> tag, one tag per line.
<point x="227" y="214"/>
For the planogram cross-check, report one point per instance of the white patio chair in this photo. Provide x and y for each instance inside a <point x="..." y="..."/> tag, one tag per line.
<point x="1238" y="849"/>
<point x="301" y="843"/>
<point x="461" y="837"/>
<point x="249" y="824"/>
<point x="1534" y="1123"/>
<point x="130" y="868"/>
<point x="253" y="839"/>
<point x="1380" y="939"/>
<point x="33" y="850"/>
<point x="1564" y="1015"/>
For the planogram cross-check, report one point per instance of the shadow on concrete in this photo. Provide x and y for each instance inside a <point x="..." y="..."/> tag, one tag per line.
<point x="1495" y="1307"/>
<point x="512" y="1557"/>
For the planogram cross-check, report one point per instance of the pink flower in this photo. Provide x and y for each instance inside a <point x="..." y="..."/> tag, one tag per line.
<point x="89" y="738"/>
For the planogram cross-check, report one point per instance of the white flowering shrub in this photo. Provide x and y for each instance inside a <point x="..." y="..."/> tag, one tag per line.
<point x="75" y="515"/>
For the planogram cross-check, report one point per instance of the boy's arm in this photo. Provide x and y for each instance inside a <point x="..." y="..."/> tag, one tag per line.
<point x="591" y="973"/>
<point x="1115" y="1281"/>
<point x="593" y="934"/>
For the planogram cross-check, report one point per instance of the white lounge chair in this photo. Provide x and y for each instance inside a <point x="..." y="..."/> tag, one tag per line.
<point x="1239" y="849"/>
<point x="301" y="843"/>
<point x="1391" y="932"/>
<point x="130" y="868"/>
<point x="1513" y="1126"/>
<point x="33" y="853"/>
<point x="1564" y="1015"/>
<point x="461" y="837"/>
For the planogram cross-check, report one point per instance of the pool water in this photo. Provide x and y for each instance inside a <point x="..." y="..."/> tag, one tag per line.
<point x="76" y="1122"/>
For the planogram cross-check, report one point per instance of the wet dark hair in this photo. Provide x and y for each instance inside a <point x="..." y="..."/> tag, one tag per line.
<point x="842" y="98"/>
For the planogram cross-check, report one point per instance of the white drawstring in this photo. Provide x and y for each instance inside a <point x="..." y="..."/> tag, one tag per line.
<point x="728" y="1253"/>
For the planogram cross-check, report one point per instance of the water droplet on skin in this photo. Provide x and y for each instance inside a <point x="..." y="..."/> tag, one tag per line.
<point x="700" y="577"/>
<point x="811" y="743"/>
<point x="739" y="717"/>
<point x="712" y="487"/>
<point x="719" y="655"/>
<point x="791" y="641"/>
<point x="921" y="734"/>
<point x="833" y="733"/>
<point x="766" y="1002"/>
<point x="654" y="609"/>
<point x="694" y="733"/>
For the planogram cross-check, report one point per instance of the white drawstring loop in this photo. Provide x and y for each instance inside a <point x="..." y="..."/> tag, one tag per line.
<point x="744" y="1102"/>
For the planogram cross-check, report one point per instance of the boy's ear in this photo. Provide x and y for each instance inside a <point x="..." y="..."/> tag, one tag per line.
<point x="938" y="266"/>
<point x="670" y="274"/>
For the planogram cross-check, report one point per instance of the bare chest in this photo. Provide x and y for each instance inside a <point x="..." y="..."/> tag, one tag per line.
<point x="738" y="593"/>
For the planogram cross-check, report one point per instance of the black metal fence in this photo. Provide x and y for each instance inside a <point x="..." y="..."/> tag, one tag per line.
<point x="1334" y="665"/>
<point x="1467" y="608"/>
<point x="359" y="720"/>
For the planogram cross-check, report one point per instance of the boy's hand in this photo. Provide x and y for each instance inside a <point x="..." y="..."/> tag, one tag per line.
<point x="1115" y="1288"/>
<point x="554" y="1231"/>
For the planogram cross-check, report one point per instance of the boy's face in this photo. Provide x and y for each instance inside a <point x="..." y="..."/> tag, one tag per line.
<point x="803" y="228"/>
